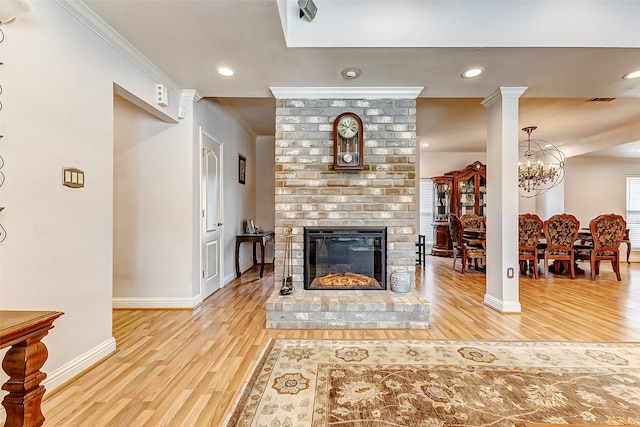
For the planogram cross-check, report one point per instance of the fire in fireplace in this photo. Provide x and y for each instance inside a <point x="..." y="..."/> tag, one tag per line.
<point x="345" y="258"/>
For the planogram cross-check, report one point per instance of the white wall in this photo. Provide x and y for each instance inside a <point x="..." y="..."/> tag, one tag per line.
<point x="153" y="214"/>
<point x="436" y="164"/>
<point x="58" y="111"/>
<point x="595" y="186"/>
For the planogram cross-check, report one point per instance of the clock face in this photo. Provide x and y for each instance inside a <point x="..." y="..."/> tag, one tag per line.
<point x="348" y="127"/>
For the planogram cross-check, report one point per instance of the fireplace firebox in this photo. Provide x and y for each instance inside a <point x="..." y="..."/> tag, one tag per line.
<point x="345" y="258"/>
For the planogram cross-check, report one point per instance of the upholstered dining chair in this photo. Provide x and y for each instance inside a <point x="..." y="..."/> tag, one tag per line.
<point x="529" y="232"/>
<point x="472" y="221"/>
<point x="608" y="231"/>
<point x="471" y="248"/>
<point x="455" y="231"/>
<point x="560" y="231"/>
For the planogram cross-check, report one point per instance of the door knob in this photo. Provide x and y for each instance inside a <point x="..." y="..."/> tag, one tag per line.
<point x="219" y="224"/>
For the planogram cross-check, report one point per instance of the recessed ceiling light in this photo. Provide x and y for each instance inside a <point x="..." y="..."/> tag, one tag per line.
<point x="426" y="144"/>
<point x="632" y="75"/>
<point x="472" y="72"/>
<point x="226" y="71"/>
<point x="351" y="73"/>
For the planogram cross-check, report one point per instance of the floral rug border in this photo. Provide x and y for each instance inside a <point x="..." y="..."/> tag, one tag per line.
<point x="291" y="380"/>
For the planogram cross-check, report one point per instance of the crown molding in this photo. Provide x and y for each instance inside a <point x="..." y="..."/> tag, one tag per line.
<point x="191" y="95"/>
<point x="88" y="17"/>
<point x="346" y="92"/>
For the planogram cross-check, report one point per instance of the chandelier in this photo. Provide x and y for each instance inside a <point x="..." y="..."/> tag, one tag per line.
<point x="540" y="165"/>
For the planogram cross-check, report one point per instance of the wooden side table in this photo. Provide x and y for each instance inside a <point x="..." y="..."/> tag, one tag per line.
<point x="23" y="331"/>
<point x="261" y="238"/>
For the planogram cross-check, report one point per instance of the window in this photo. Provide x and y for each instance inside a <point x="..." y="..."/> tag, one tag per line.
<point x="633" y="210"/>
<point x="426" y="209"/>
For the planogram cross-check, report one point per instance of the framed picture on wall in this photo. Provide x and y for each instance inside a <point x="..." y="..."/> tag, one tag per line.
<point x="242" y="168"/>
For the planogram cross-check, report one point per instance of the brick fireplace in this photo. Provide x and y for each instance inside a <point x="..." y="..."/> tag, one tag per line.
<point x="310" y="193"/>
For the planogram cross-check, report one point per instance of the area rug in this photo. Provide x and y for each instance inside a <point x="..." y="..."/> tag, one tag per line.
<point x="301" y="383"/>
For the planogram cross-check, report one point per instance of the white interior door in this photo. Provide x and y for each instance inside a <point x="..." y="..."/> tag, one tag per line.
<point x="211" y="228"/>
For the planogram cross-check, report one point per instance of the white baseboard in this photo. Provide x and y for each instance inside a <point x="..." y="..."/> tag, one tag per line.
<point x="156" y="302"/>
<point x="77" y="366"/>
<point x="229" y="278"/>
<point x="502" y="306"/>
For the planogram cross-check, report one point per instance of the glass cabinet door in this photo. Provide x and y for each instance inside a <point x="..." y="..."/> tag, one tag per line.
<point x="467" y="196"/>
<point x="441" y="201"/>
<point x="483" y="197"/>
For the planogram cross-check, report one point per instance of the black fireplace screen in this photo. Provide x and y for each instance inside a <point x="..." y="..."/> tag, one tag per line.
<point x="345" y="258"/>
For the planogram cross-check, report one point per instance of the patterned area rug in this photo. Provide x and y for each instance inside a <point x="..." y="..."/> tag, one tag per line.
<point x="440" y="383"/>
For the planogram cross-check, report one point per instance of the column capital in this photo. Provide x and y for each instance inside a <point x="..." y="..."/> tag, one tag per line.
<point x="502" y="93"/>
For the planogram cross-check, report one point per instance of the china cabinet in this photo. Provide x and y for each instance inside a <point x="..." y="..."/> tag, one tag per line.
<point x="457" y="192"/>
<point x="470" y="190"/>
<point x="442" y="186"/>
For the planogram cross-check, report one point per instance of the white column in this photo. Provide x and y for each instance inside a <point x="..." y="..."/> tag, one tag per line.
<point x="502" y="291"/>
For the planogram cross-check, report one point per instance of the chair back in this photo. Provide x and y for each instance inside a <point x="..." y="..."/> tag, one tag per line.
<point x="561" y="231"/>
<point x="455" y="230"/>
<point x="529" y="231"/>
<point x="608" y="231"/>
<point x="472" y="221"/>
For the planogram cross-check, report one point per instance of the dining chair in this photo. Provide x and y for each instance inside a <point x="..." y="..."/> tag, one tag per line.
<point x="455" y="231"/>
<point x="472" y="221"/>
<point x="608" y="232"/>
<point x="529" y="232"/>
<point x="560" y="231"/>
<point x="473" y="237"/>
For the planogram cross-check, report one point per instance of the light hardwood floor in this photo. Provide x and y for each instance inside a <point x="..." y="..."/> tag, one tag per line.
<point x="186" y="367"/>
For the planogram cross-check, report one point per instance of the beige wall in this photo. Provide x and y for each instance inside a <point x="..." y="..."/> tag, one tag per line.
<point x="594" y="186"/>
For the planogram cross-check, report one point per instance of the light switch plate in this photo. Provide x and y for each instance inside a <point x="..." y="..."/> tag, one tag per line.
<point x="72" y="177"/>
<point x="162" y="98"/>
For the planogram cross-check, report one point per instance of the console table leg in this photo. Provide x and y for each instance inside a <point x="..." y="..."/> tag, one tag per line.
<point x="237" y="260"/>
<point x="255" y="260"/>
<point x="22" y="363"/>
<point x="262" y="252"/>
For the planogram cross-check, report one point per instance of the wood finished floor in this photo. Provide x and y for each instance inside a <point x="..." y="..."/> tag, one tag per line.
<point x="186" y="367"/>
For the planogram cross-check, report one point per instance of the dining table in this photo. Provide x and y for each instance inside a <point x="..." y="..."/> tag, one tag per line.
<point x="475" y="235"/>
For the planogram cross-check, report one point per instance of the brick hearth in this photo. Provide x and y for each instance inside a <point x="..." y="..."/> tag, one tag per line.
<point x="348" y="310"/>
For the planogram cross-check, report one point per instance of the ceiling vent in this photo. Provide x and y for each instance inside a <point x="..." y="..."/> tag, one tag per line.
<point x="600" y="99"/>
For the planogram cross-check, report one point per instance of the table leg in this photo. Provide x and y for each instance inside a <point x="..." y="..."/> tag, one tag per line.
<point x="255" y="260"/>
<point x="628" y="251"/>
<point x="22" y="363"/>
<point x="237" y="260"/>
<point x="262" y="252"/>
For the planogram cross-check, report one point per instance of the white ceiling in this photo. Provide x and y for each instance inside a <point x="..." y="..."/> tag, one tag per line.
<point x="403" y="43"/>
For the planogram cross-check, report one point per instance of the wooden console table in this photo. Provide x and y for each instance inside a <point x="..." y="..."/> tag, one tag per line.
<point x="260" y="238"/>
<point x="23" y="331"/>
